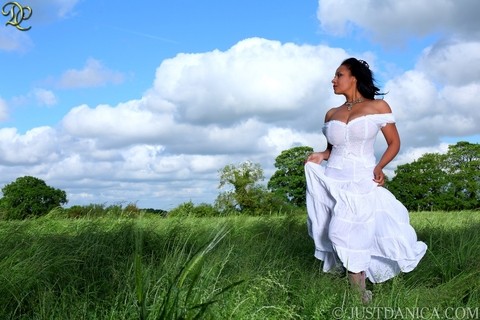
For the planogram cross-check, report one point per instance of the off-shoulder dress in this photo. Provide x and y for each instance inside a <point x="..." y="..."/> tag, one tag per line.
<point x="353" y="222"/>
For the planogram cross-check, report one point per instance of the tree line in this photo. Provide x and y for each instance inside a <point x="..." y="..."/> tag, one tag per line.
<point x="449" y="181"/>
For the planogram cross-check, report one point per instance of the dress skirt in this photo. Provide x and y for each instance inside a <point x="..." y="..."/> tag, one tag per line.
<point x="356" y="224"/>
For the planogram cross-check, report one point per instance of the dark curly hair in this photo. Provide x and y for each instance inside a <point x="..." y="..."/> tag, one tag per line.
<point x="365" y="80"/>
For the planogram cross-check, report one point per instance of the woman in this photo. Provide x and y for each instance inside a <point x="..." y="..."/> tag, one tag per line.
<point x="355" y="223"/>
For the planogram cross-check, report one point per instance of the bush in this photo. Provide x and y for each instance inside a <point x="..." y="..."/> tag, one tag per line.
<point x="101" y="210"/>
<point x="189" y="209"/>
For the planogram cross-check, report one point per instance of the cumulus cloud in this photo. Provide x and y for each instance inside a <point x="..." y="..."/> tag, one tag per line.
<point x="452" y="62"/>
<point x="255" y="78"/>
<point x="33" y="147"/>
<point x="124" y="124"/>
<point x="249" y="102"/>
<point x="93" y="74"/>
<point x="435" y="99"/>
<point x="204" y="110"/>
<point x="391" y="20"/>
<point x="427" y="112"/>
<point x="201" y="103"/>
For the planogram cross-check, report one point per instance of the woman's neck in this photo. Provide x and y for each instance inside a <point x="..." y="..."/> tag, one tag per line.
<point x="353" y="97"/>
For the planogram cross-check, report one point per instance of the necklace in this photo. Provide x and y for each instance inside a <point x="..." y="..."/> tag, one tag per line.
<point x="352" y="103"/>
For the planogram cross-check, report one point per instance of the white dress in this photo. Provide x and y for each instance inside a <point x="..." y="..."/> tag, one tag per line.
<point x="353" y="221"/>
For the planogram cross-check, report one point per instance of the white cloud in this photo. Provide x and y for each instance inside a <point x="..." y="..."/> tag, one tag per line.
<point x="37" y="96"/>
<point x="452" y="62"/>
<point x="94" y="74"/>
<point x="44" y="97"/>
<point x="414" y="153"/>
<point x="255" y="78"/>
<point x="412" y="95"/>
<point x="426" y="112"/>
<point x="35" y="146"/>
<point x="126" y="121"/>
<point x="206" y="110"/>
<point x="202" y="103"/>
<point x="392" y="20"/>
<point x="280" y="139"/>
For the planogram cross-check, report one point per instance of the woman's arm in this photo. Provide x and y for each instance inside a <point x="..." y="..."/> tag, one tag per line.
<point x="392" y="138"/>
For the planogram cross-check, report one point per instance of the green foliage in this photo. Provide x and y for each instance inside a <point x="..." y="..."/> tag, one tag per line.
<point x="462" y="165"/>
<point x="30" y="197"/>
<point x="264" y="202"/>
<point x="226" y="203"/>
<point x="288" y="182"/>
<point x="98" y="211"/>
<point x="159" y="212"/>
<point x="244" y="179"/>
<point x="418" y="185"/>
<point x="189" y="209"/>
<point x="89" y="211"/>
<point x="248" y="196"/>
<point x="448" y="181"/>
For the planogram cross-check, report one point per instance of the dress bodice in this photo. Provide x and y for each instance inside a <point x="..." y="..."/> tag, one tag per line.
<point x="354" y="141"/>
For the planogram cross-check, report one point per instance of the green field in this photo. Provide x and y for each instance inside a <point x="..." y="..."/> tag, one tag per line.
<point x="131" y="268"/>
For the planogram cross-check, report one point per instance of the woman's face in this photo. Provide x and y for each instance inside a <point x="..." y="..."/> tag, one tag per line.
<point x="343" y="81"/>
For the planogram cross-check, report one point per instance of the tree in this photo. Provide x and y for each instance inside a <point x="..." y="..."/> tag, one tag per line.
<point x="462" y="164"/>
<point x="244" y="178"/>
<point x="419" y="185"/>
<point x="30" y="197"/>
<point x="435" y="181"/>
<point x="288" y="182"/>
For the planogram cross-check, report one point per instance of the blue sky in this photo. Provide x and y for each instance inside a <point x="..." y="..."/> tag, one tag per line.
<point x="119" y="102"/>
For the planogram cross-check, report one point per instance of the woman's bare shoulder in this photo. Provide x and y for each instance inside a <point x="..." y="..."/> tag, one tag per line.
<point x="381" y="106"/>
<point x="330" y="113"/>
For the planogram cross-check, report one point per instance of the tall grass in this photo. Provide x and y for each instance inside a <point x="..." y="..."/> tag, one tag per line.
<point x="262" y="268"/>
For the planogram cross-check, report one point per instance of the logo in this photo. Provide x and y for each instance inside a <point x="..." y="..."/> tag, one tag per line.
<point x="17" y="13"/>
